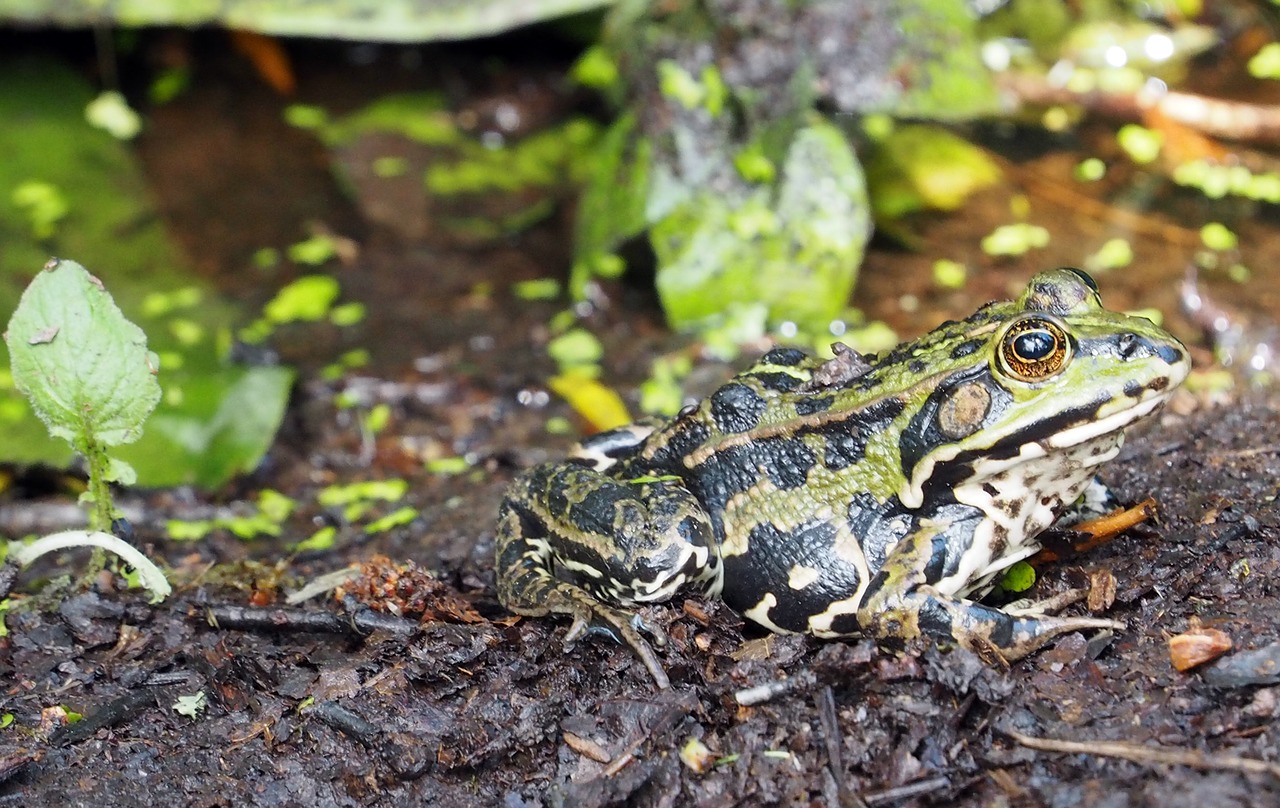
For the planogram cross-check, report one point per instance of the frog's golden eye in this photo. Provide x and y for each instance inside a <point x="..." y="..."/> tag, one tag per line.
<point x="1034" y="349"/>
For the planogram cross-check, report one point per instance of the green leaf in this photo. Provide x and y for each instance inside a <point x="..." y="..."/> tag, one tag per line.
<point x="308" y="299"/>
<point x="575" y="348"/>
<point x="397" y="518"/>
<point x="1018" y="578"/>
<point x="794" y="246"/>
<point x="110" y="220"/>
<point x="85" y="368"/>
<point x="223" y="427"/>
<point x="191" y="706"/>
<point x="392" y="490"/>
<point x="322" y="539"/>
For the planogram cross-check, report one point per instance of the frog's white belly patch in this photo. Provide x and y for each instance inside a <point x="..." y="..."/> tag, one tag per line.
<point x="1020" y="500"/>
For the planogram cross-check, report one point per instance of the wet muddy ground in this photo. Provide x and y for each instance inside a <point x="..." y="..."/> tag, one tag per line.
<point x="332" y="703"/>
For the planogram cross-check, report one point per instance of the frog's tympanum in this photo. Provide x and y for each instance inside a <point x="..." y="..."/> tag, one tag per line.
<point x="856" y="496"/>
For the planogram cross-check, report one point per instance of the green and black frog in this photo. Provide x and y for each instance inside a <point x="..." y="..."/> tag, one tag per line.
<point x="853" y="496"/>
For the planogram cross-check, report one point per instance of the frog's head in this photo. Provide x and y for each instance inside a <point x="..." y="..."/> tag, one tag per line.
<point x="1047" y="382"/>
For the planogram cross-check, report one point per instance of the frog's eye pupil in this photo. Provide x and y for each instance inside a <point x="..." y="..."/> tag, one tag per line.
<point x="1034" y="345"/>
<point x="1034" y="350"/>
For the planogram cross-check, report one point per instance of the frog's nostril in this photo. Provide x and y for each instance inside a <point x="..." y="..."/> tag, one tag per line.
<point x="1170" y="354"/>
<point x="1128" y="345"/>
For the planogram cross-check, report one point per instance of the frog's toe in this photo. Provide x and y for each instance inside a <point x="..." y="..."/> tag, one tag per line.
<point x="1020" y="636"/>
<point x="657" y="634"/>
<point x="623" y="628"/>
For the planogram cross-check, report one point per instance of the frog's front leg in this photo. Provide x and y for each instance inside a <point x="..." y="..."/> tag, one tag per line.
<point x="901" y="603"/>
<point x="572" y="540"/>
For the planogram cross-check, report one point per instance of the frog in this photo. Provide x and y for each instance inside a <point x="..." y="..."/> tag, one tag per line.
<point x="854" y="496"/>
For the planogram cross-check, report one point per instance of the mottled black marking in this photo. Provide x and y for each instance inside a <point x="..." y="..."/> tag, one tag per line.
<point x="967" y="348"/>
<point x="736" y="408"/>
<point x="614" y="443"/>
<point x="601" y="506"/>
<point x="1170" y="354"/>
<point x="879" y="527"/>
<point x="786" y="357"/>
<point x="694" y="531"/>
<point x="843" y="449"/>
<point x="682" y="438"/>
<point x="779" y="382"/>
<point x="983" y="621"/>
<point x="1008" y="446"/>
<point x="846" y="624"/>
<point x="938" y="554"/>
<point x="846" y="439"/>
<point x="917" y="367"/>
<point x="812" y="404"/>
<point x="961" y="521"/>
<point x="1133" y="389"/>
<point x="729" y="472"/>
<point x="1129" y="347"/>
<point x="785" y="461"/>
<point x="934" y="620"/>
<point x="767" y="569"/>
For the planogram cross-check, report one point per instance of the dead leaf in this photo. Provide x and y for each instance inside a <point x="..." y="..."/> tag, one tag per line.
<point x="44" y="336"/>
<point x="1196" y="646"/>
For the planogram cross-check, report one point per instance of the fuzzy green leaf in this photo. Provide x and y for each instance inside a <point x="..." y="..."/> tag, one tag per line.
<point x="85" y="368"/>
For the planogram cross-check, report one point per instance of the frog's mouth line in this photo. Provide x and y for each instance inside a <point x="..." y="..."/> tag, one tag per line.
<point x="1067" y="429"/>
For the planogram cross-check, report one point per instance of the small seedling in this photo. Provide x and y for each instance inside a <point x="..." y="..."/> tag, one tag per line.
<point x="88" y="375"/>
<point x="191" y="706"/>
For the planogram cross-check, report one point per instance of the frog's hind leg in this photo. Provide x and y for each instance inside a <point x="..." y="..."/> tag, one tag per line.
<point x="901" y="604"/>
<point x="574" y="541"/>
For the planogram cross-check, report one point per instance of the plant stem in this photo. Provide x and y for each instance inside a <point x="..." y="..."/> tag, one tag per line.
<point x="149" y="574"/>
<point x="99" y="489"/>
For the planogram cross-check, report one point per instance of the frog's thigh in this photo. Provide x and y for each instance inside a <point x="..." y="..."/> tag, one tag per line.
<point x="900" y="604"/>
<point x="624" y="542"/>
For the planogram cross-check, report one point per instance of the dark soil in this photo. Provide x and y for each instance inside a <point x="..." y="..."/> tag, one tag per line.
<point x="343" y="702"/>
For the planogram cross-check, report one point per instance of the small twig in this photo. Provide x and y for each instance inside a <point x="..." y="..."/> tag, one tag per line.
<point x="825" y="701"/>
<point x="1216" y="117"/>
<point x="759" y="694"/>
<point x="1271" y="448"/>
<point x="244" y="618"/>
<point x="665" y="721"/>
<point x="907" y="791"/>
<point x="335" y="716"/>
<point x="586" y="747"/>
<point x="1147" y="755"/>
<point x="110" y="714"/>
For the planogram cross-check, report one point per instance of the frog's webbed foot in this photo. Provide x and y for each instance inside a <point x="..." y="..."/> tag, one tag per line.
<point x="901" y="604"/>
<point x="623" y="628"/>
<point x="526" y="586"/>
<point x="577" y="542"/>
<point x="924" y="611"/>
<point x="590" y="616"/>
